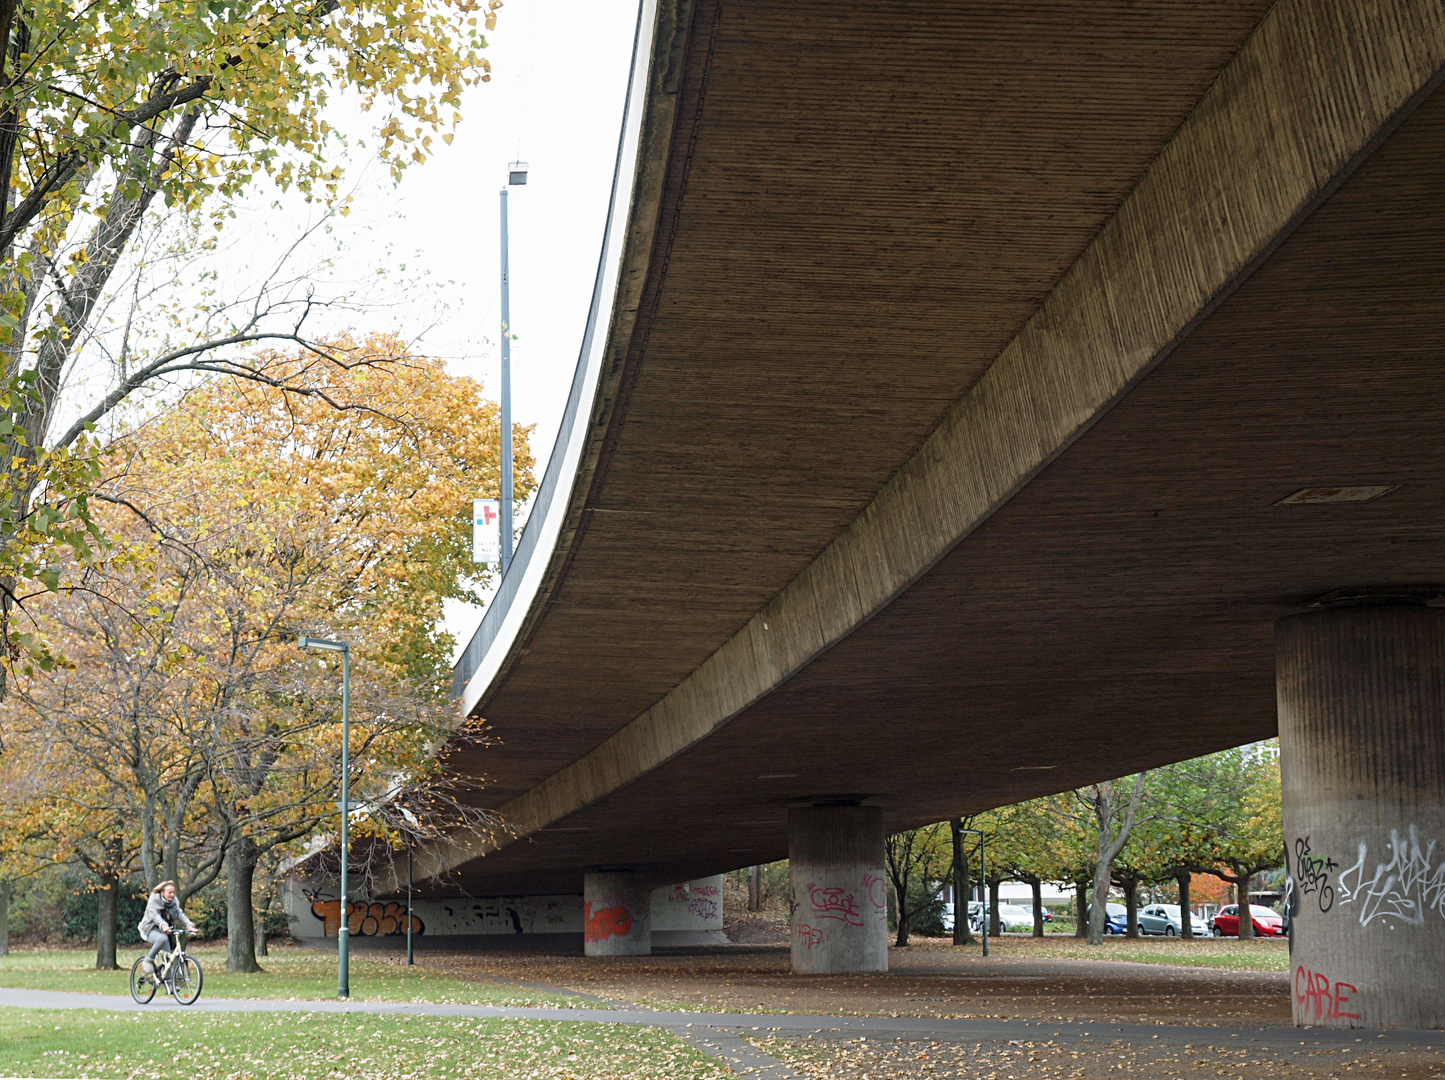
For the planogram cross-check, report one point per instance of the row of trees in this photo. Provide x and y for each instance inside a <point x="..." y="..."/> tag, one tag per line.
<point x="1218" y="815"/>
<point x="180" y="733"/>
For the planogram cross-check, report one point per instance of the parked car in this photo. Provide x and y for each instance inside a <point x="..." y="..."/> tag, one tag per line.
<point x="1167" y="920"/>
<point x="1010" y="916"/>
<point x="1267" y="922"/>
<point x="1013" y="917"/>
<point x="1116" y="919"/>
<point x="974" y="907"/>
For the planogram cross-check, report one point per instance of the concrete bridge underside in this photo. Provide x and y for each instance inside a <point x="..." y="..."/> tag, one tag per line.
<point x="958" y="364"/>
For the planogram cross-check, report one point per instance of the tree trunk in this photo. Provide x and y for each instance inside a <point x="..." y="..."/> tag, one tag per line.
<point x="1246" y="918"/>
<point x="1107" y="809"/>
<point x="1131" y="907"/>
<point x="240" y="916"/>
<point x="107" y="905"/>
<point x="1186" y="920"/>
<point x="1038" y="888"/>
<point x="962" y="932"/>
<point x="755" y="888"/>
<point x="902" y="916"/>
<point x="993" y="920"/>
<point x="148" y="841"/>
<point x="4" y="916"/>
<point x="1081" y="909"/>
<point x="1099" y="909"/>
<point x="261" y="949"/>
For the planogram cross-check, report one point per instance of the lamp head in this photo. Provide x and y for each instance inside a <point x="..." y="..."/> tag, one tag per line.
<point x="323" y="644"/>
<point x="516" y="174"/>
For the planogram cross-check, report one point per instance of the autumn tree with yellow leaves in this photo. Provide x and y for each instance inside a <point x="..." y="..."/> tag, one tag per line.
<point x="111" y="110"/>
<point x="242" y="517"/>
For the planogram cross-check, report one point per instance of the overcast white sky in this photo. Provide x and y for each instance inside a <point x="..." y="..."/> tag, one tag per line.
<point x="559" y="73"/>
<point x="559" y="76"/>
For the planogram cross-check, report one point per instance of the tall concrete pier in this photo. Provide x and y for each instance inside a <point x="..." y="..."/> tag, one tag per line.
<point x="840" y="891"/>
<point x="617" y="914"/>
<point x="1362" y="755"/>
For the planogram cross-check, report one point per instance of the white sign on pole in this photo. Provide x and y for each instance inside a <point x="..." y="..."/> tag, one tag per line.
<point x="486" y="530"/>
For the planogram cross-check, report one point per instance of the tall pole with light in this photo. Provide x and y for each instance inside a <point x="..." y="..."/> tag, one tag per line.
<point x="343" y="932"/>
<point x="983" y="881"/>
<point x="516" y="175"/>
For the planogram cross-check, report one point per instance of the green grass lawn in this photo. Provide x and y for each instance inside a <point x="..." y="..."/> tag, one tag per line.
<point x="220" y="1046"/>
<point x="1261" y="954"/>
<point x="290" y="973"/>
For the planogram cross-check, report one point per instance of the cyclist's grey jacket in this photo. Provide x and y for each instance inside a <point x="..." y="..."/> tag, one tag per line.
<point x="161" y="912"/>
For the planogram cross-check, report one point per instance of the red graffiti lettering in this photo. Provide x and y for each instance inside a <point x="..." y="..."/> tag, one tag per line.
<point x="1312" y="990"/>
<point x="1342" y="998"/>
<point x="603" y="923"/>
<point x="1324" y="1001"/>
<point x="809" y="935"/>
<point x="834" y="903"/>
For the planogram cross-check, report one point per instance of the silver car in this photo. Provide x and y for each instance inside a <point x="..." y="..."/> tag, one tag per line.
<point x="1166" y="920"/>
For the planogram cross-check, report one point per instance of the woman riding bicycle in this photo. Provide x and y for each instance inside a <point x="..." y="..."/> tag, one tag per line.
<point x="163" y="915"/>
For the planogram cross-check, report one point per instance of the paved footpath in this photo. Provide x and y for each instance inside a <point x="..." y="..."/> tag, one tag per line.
<point x="723" y="1035"/>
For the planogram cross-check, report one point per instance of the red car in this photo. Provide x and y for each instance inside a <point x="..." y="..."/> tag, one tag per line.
<point x="1266" y="922"/>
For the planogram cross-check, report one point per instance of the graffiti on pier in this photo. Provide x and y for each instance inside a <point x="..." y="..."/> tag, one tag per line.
<point x="834" y="902"/>
<point x="681" y="894"/>
<point x="1311" y="874"/>
<point x="877" y="893"/>
<point x="601" y="924"/>
<point x="1315" y="992"/>
<point x="702" y="907"/>
<point x="364" y="919"/>
<point x="809" y="935"/>
<point x="1410" y="886"/>
<point x="701" y="899"/>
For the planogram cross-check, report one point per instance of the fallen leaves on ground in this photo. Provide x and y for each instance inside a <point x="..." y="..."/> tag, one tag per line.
<point x="890" y="1059"/>
<point x="318" y="1046"/>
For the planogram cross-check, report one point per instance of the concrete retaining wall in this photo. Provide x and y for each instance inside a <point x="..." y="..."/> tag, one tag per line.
<point x="689" y="913"/>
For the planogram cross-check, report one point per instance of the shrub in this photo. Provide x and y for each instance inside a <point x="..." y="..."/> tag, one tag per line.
<point x="80" y="910"/>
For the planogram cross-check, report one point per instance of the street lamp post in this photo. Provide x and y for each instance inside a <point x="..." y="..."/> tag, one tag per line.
<point x="516" y="174"/>
<point x="983" y="883"/>
<point x="343" y="932"/>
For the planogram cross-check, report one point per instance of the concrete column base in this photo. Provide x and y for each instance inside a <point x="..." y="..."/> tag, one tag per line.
<point x="616" y="914"/>
<point x="1362" y="758"/>
<point x="840" y="894"/>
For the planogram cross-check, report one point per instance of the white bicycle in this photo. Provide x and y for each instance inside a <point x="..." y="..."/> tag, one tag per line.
<point x="176" y="970"/>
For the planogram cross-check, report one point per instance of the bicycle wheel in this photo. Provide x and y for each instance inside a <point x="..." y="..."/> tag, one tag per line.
<point x="187" y="981"/>
<point x="142" y="986"/>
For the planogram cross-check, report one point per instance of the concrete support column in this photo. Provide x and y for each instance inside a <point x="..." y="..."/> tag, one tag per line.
<point x="616" y="914"/>
<point x="1362" y="756"/>
<point x="840" y="892"/>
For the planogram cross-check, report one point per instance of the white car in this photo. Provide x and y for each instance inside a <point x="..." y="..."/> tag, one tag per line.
<point x="974" y="907"/>
<point x="1167" y="920"/>
<point x="1010" y="917"/>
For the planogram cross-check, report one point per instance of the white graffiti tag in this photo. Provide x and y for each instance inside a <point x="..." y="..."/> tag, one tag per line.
<point x="1405" y="888"/>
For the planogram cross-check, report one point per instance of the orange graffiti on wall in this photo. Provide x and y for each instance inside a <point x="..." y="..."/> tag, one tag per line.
<point x="366" y="919"/>
<point x="602" y="924"/>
